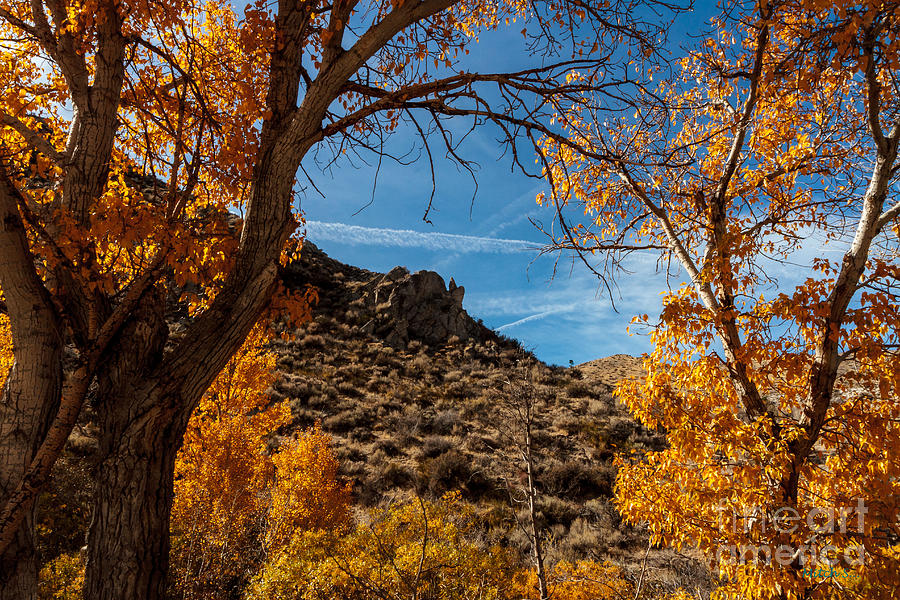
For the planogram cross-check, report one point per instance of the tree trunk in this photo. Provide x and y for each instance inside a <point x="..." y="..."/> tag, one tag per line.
<point x="128" y="541"/>
<point x="30" y="394"/>
<point x="18" y="565"/>
<point x="22" y="424"/>
<point x="536" y="545"/>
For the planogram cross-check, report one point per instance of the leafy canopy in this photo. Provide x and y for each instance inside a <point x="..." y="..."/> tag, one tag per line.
<point x="777" y="138"/>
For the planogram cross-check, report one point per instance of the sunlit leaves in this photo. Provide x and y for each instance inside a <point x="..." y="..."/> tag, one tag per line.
<point x="410" y="550"/>
<point x="237" y="498"/>
<point x="759" y="152"/>
<point x="580" y="580"/>
<point x="223" y="473"/>
<point x="307" y="494"/>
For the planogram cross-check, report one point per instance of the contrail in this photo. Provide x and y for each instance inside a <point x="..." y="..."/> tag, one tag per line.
<point x="405" y="238"/>
<point x="535" y="317"/>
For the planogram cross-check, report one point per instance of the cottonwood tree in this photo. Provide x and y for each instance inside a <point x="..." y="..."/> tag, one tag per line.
<point x="130" y="131"/>
<point x="768" y="173"/>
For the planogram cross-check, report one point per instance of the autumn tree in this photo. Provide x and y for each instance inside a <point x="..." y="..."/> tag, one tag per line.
<point x="237" y="497"/>
<point x="222" y="476"/>
<point x="307" y="493"/>
<point x="131" y="133"/>
<point x="767" y="171"/>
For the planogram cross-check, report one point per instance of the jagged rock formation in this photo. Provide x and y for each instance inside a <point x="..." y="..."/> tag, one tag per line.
<point x="397" y="307"/>
<point x="418" y="306"/>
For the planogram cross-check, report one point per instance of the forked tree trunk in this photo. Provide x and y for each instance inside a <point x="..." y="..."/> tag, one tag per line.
<point x="128" y="541"/>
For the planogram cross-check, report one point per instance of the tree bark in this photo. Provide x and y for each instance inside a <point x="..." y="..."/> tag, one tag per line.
<point x="24" y="418"/>
<point x="31" y="392"/>
<point x="18" y="565"/>
<point x="128" y="541"/>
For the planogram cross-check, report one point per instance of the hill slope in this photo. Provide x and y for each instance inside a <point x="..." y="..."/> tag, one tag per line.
<point x="412" y="390"/>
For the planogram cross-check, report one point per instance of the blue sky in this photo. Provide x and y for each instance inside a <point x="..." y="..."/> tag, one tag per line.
<point x="486" y="242"/>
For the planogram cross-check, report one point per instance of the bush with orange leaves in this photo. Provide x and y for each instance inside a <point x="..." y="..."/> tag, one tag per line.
<point x="233" y="497"/>
<point x="423" y="550"/>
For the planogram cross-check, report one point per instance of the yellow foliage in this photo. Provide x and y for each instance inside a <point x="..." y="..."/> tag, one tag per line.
<point x="581" y="580"/>
<point x="6" y="349"/>
<point x="679" y="595"/>
<point x="222" y="474"/>
<point x="306" y="494"/>
<point x="234" y="499"/>
<point x="62" y="578"/>
<point x="411" y="550"/>
<point x="764" y="142"/>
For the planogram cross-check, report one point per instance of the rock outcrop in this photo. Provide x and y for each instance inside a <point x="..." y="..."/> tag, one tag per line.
<point x="397" y="307"/>
<point x="418" y="306"/>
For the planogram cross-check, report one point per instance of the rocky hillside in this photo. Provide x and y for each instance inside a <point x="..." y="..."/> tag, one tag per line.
<point x="415" y="393"/>
<point x="413" y="389"/>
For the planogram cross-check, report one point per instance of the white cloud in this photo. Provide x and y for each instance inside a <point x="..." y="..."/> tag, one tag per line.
<point x="406" y="238"/>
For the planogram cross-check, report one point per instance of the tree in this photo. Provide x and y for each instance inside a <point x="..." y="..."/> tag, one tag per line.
<point x="62" y="578"/>
<point x="774" y="373"/>
<point x="307" y="494"/>
<point x="519" y="408"/>
<point x="131" y="131"/>
<point x="236" y="500"/>
<point x="223" y="473"/>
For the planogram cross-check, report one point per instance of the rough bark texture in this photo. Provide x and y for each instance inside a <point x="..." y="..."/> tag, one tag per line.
<point x="18" y="566"/>
<point x="128" y="537"/>
<point x="31" y="392"/>
<point x="128" y="541"/>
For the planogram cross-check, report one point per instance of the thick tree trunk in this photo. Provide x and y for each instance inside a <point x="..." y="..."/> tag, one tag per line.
<point x="128" y="541"/>
<point x="18" y="565"/>
<point x="30" y="394"/>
